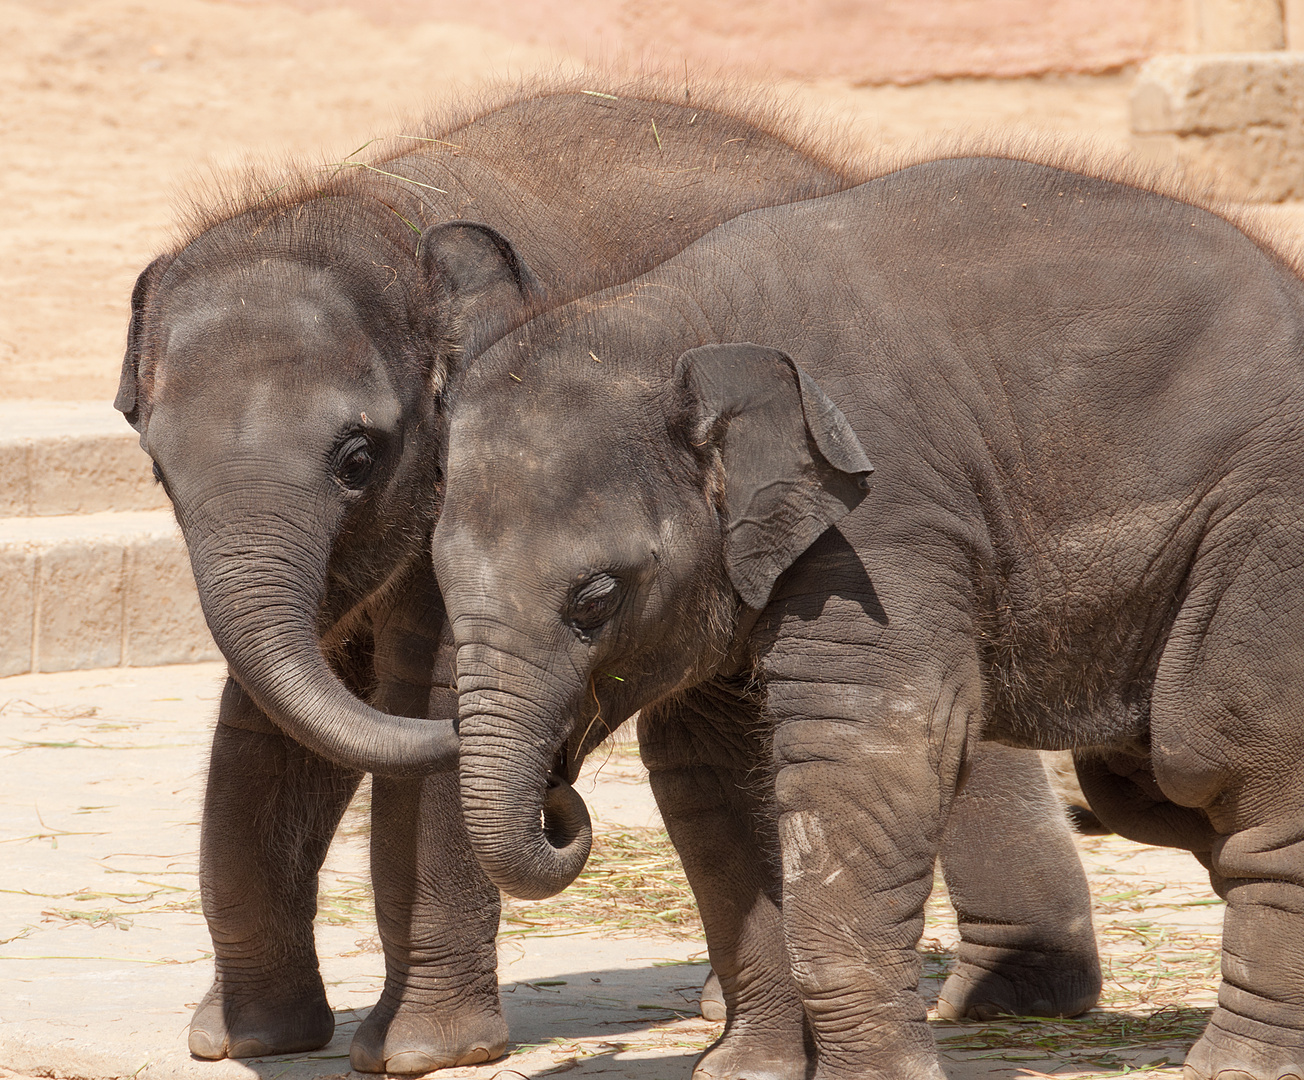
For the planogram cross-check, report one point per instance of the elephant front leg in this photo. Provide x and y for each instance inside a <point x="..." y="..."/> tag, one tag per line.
<point x="707" y="774"/>
<point x="1027" y="947"/>
<point x="436" y="911"/>
<point x="438" y="915"/>
<point x="270" y="810"/>
<point x="865" y="778"/>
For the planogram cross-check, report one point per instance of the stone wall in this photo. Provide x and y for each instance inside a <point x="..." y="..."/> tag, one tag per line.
<point x="863" y="41"/>
<point x="1231" y="111"/>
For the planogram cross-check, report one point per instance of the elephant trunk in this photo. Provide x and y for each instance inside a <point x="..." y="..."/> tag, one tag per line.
<point x="529" y="828"/>
<point x="261" y="607"/>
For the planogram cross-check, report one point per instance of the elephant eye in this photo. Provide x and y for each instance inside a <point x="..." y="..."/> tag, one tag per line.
<point x="354" y="462"/>
<point x="160" y="479"/>
<point x="592" y="604"/>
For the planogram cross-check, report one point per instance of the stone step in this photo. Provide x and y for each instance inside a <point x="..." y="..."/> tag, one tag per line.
<point x="76" y="457"/>
<point x="93" y="590"/>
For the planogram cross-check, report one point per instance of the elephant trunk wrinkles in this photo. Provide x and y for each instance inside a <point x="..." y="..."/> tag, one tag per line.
<point x="261" y="605"/>
<point x="529" y="828"/>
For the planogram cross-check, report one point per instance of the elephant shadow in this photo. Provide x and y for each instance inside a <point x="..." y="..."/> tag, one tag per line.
<point x="643" y="1024"/>
<point x="842" y="578"/>
<point x="617" y="1011"/>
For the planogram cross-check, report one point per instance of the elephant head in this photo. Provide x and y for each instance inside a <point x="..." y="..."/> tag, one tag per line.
<point x="286" y="387"/>
<point x="608" y="518"/>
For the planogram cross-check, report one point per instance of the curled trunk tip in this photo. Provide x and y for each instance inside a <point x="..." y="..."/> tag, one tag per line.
<point x="533" y="854"/>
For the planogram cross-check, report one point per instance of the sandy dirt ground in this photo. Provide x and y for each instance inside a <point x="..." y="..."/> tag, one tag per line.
<point x="114" y="111"/>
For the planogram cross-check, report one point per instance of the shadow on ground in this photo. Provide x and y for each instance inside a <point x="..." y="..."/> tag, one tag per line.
<point x="638" y="1023"/>
<point x="643" y="1024"/>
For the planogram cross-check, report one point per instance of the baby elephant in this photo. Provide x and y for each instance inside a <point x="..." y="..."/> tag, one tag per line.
<point x="1085" y="404"/>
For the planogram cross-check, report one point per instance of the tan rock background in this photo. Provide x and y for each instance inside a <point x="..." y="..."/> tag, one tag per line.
<point x="863" y="41"/>
<point x="113" y="111"/>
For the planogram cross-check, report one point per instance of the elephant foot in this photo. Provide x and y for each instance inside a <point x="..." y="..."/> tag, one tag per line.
<point x="406" y="1038"/>
<point x="1235" y="1047"/>
<point x="740" y="1055"/>
<point x="225" y="1026"/>
<point x="1020" y="983"/>
<point x="712" y="1001"/>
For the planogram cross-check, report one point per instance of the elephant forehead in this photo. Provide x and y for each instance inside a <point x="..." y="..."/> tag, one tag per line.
<point x="527" y="489"/>
<point x="518" y="491"/>
<point x="263" y="328"/>
<point x="575" y="436"/>
<point x="239" y="403"/>
<point x="263" y="347"/>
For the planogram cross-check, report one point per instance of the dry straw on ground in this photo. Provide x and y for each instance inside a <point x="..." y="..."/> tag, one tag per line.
<point x="633" y="884"/>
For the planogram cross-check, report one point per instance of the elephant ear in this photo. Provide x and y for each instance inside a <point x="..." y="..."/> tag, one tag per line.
<point x="127" y="401"/>
<point x="472" y="271"/>
<point x="792" y="465"/>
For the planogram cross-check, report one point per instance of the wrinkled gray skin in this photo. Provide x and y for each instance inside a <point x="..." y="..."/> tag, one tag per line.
<point x="283" y="369"/>
<point x="1085" y="403"/>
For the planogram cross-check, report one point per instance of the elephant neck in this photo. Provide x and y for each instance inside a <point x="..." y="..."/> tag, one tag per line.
<point x="739" y="656"/>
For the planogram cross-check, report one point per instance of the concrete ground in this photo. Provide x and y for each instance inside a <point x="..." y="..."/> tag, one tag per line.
<point x="104" y="953"/>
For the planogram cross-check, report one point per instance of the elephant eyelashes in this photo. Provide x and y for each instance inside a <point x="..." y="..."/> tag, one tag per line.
<point x="158" y="479"/>
<point x="354" y="462"/>
<point x="592" y="604"/>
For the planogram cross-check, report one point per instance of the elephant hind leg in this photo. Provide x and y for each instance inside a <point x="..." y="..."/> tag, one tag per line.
<point x="1027" y="947"/>
<point x="1226" y="741"/>
<point x="1257" y="1030"/>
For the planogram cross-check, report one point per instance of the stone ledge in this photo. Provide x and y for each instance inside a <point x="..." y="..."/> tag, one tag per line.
<point x="1193" y="95"/>
<point x="71" y="458"/>
<point x="97" y="590"/>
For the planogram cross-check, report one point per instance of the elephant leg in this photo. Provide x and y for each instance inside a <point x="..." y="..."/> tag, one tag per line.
<point x="1027" y="947"/>
<point x="871" y="726"/>
<point x="866" y="775"/>
<point x="1225" y="736"/>
<point x="438" y="916"/>
<point x="270" y="810"/>
<point x="436" y="911"/>
<point x="1257" y="1030"/>
<point x="707" y="772"/>
<point x="712" y="999"/>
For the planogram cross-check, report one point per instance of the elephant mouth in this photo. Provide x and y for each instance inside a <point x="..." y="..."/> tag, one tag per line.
<point x="566" y="822"/>
<point x="565" y="767"/>
<point x="565" y="817"/>
<point x="531" y="840"/>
